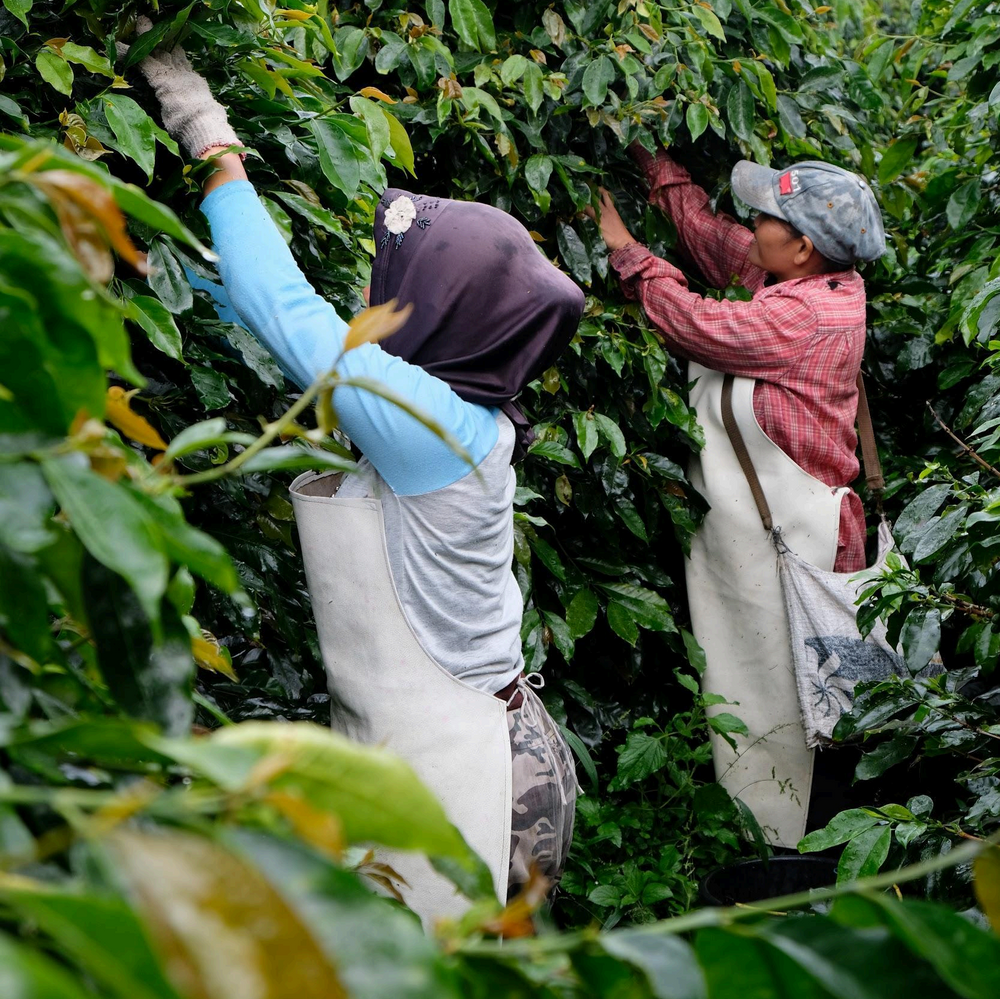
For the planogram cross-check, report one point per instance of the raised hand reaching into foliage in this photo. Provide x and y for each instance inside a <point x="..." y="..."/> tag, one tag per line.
<point x="614" y="232"/>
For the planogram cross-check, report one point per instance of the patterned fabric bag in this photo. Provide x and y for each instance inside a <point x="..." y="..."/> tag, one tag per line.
<point x="829" y="655"/>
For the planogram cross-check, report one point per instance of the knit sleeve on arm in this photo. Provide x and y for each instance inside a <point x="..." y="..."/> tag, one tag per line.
<point x="306" y="336"/>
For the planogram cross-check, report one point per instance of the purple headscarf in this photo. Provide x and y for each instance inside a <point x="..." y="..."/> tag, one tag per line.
<point x="490" y="313"/>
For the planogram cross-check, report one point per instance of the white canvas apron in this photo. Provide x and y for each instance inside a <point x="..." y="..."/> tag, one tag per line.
<point x="395" y="695"/>
<point x="737" y="609"/>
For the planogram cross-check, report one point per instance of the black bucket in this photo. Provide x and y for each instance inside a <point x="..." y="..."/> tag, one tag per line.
<point x="750" y="881"/>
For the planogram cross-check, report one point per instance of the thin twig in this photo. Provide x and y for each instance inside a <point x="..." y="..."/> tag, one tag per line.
<point x="965" y="447"/>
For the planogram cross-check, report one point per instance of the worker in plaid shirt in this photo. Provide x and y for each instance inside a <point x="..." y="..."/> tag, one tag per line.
<point x="802" y="335"/>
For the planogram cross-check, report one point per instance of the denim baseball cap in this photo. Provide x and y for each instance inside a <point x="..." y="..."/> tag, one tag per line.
<point x="835" y="208"/>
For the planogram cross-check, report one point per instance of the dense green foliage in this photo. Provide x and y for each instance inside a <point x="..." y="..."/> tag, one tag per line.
<point x="122" y="567"/>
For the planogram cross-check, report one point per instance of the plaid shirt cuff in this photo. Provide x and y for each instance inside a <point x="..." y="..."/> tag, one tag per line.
<point x="628" y="260"/>
<point x="632" y="258"/>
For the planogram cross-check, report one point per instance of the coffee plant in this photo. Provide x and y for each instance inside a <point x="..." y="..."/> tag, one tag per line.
<point x="165" y="781"/>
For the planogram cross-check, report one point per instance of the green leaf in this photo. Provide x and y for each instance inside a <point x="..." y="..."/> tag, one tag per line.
<point x="399" y="143"/>
<point x="25" y="507"/>
<point x="789" y="117"/>
<point x="537" y="171"/>
<point x="168" y="280"/>
<point x="586" y="433"/>
<point x="581" y="752"/>
<point x="255" y="355"/>
<point x="667" y="962"/>
<point x="622" y="623"/>
<point x="150" y="678"/>
<point x="864" y="854"/>
<point x="885" y="755"/>
<point x="374" y="793"/>
<point x="581" y="614"/>
<point x="629" y="515"/>
<point x="920" y="636"/>
<point x="314" y="214"/>
<point x="965" y="956"/>
<point x="697" y="120"/>
<point x="30" y="975"/>
<point x="939" y="532"/>
<point x="612" y="433"/>
<point x="84" y="55"/>
<point x="562" y="636"/>
<point x="24" y="607"/>
<point x="841" y="828"/>
<point x="200" y="436"/>
<point x="695" y="653"/>
<point x="20" y="9"/>
<point x="473" y="24"/>
<point x="210" y="387"/>
<point x="641" y="756"/>
<point x="649" y="609"/>
<point x="134" y="130"/>
<point x="513" y="69"/>
<point x="574" y="254"/>
<point x="534" y="93"/>
<point x="725" y="722"/>
<point x="339" y="157"/>
<point x="598" y="74"/>
<point x="101" y="933"/>
<point x="190" y="547"/>
<point x="554" y="452"/>
<point x="740" y="108"/>
<point x="709" y="21"/>
<point x="896" y="159"/>
<point x="473" y="97"/>
<point x="963" y="204"/>
<point x="113" y="527"/>
<point x="375" y="123"/>
<point x="55" y="71"/>
<point x="158" y="323"/>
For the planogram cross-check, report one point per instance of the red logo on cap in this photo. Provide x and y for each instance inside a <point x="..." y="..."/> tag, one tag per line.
<point x="785" y="183"/>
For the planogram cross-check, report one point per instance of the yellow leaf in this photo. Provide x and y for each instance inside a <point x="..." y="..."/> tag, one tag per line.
<point x="377" y="94"/>
<point x="375" y="324"/>
<point x="737" y="68"/>
<point x="294" y="15"/>
<point x="322" y="829"/>
<point x="987" y="884"/>
<point x="536" y="236"/>
<point x="219" y="926"/>
<point x="118" y="412"/>
<point x="822" y="10"/>
<point x="208" y="654"/>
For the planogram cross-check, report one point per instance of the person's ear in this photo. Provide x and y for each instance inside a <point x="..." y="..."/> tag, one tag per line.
<point x="804" y="251"/>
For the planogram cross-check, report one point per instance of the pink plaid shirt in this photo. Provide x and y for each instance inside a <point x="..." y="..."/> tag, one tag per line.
<point x="802" y="340"/>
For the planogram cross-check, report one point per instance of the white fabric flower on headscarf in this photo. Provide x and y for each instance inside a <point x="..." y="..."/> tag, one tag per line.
<point x="399" y="215"/>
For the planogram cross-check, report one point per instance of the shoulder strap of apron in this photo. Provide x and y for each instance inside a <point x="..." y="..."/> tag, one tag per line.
<point x="869" y="451"/>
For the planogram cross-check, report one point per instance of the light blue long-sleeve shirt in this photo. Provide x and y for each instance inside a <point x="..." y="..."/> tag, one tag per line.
<point x="306" y="337"/>
<point x="449" y="532"/>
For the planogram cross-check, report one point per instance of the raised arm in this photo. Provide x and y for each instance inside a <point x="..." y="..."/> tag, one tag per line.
<point x="297" y="325"/>
<point x="717" y="243"/>
<point x="306" y="336"/>
<point x="757" y="339"/>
